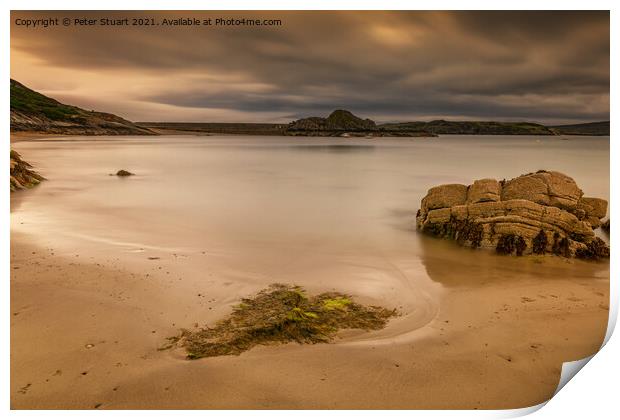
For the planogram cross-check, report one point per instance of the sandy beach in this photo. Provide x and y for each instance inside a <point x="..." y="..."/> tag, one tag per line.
<point x="85" y="333"/>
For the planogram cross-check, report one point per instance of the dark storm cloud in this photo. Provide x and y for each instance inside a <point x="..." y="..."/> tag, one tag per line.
<point x="427" y="103"/>
<point x="543" y="66"/>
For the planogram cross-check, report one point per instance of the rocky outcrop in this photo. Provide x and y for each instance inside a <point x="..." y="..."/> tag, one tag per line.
<point x="339" y="121"/>
<point x="34" y="112"/>
<point x="538" y="213"/>
<point x="342" y="123"/>
<point x="93" y="124"/>
<point x="22" y="175"/>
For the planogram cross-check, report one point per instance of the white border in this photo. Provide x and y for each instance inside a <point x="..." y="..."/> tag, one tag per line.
<point x="308" y="5"/>
<point x="593" y="394"/>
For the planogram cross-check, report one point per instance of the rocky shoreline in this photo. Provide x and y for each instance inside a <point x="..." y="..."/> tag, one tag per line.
<point x="22" y="174"/>
<point x="93" y="124"/>
<point x="537" y="213"/>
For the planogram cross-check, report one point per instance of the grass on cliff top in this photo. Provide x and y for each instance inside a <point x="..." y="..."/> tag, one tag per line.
<point x="28" y="101"/>
<point x="281" y="314"/>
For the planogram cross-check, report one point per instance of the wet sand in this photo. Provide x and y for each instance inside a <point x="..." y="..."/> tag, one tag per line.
<point x="85" y="333"/>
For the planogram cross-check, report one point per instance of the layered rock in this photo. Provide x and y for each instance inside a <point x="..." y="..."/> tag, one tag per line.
<point x="538" y="213"/>
<point x="22" y="174"/>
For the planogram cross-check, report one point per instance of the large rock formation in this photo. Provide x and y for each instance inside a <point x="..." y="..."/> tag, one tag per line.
<point x="342" y="123"/>
<point x="22" y="175"/>
<point x="338" y="121"/>
<point x="538" y="213"/>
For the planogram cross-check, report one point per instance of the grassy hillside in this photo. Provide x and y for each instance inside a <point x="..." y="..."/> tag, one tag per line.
<point x="30" y="102"/>
<point x="32" y="111"/>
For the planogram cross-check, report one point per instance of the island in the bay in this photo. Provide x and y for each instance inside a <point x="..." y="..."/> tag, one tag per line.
<point x="34" y="112"/>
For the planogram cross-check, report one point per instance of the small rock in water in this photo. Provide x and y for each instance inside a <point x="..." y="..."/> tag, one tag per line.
<point x="123" y="172"/>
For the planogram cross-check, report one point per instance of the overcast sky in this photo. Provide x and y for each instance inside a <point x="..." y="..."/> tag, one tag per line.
<point x="550" y="67"/>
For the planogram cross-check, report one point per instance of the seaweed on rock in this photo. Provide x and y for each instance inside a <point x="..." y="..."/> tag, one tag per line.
<point x="507" y="244"/>
<point x="561" y="246"/>
<point x="539" y="244"/>
<point x="595" y="250"/>
<point x="435" y="229"/>
<point x="464" y="231"/>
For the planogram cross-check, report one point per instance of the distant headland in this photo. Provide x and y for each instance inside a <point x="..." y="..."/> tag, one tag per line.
<point x="37" y="113"/>
<point x="33" y="112"/>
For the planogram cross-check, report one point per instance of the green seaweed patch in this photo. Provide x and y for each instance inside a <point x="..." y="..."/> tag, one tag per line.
<point x="280" y="314"/>
<point x="341" y="303"/>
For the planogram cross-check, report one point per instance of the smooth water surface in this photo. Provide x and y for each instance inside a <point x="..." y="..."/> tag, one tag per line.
<point x="330" y="212"/>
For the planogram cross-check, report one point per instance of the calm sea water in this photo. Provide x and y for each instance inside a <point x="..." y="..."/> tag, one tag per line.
<point x="287" y="209"/>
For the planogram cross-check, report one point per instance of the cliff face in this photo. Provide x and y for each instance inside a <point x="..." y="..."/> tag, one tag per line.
<point x="22" y="174"/>
<point x="32" y="111"/>
<point x="540" y="213"/>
